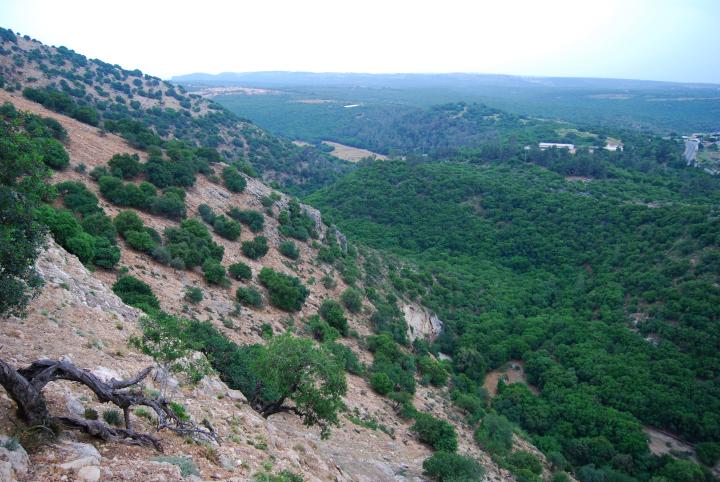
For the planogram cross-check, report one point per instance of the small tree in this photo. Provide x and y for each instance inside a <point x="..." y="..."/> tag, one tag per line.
<point x="162" y="340"/>
<point x="234" y="181"/>
<point x="249" y="297"/>
<point x="240" y="271"/>
<point x="332" y="312"/>
<point x="447" y="467"/>
<point x="255" y="249"/>
<point x="352" y="299"/>
<point x="286" y="292"/>
<point x="437" y="433"/>
<point x="214" y="272"/>
<point x="288" y="248"/>
<point x="381" y="383"/>
<point x="291" y="368"/>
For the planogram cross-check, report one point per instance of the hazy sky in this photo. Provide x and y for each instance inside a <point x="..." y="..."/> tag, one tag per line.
<point x="642" y="39"/>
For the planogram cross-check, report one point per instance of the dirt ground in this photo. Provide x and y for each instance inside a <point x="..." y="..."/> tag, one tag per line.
<point x="352" y="154"/>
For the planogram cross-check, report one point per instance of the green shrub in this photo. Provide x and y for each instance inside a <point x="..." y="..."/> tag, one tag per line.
<point x="186" y="464"/>
<point x="352" y="299"/>
<point x="91" y="414"/>
<point x="255" y="249"/>
<point x="140" y="240"/>
<point x="381" y="383"/>
<point x="240" y="271"/>
<point x="53" y="153"/>
<point x="192" y="243"/>
<point x="100" y="225"/>
<point x="249" y="297"/>
<point x="521" y="460"/>
<point x="78" y="198"/>
<point x="128" y="221"/>
<point x="321" y="330"/>
<point x="113" y="417"/>
<point x="206" y="213"/>
<point x="135" y="292"/>
<point x="126" y="166"/>
<point x="432" y="371"/>
<point x="82" y="245"/>
<point x="332" y="312"/>
<point x="439" y="434"/>
<point x="214" y="272"/>
<point x="226" y="227"/>
<point x="107" y="254"/>
<point x="193" y="295"/>
<point x="179" y="410"/>
<point x="169" y="205"/>
<point x="253" y="219"/>
<point x="451" y="467"/>
<point x="234" y="181"/>
<point x="286" y="292"/>
<point x="494" y="435"/>
<point x="346" y="357"/>
<point x="288" y="248"/>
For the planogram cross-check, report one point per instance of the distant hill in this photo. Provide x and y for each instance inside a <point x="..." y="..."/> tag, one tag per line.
<point x="145" y="109"/>
<point x="660" y="106"/>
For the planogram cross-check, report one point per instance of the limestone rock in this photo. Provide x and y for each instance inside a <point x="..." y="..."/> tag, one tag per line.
<point x="91" y="473"/>
<point x="13" y="463"/>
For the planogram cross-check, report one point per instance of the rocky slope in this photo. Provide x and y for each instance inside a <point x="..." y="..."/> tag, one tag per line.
<point x="77" y="316"/>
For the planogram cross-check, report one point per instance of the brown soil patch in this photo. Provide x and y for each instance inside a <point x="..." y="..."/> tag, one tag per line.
<point x="352" y="154"/>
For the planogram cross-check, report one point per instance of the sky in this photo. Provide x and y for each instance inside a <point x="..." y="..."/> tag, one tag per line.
<point x="673" y="40"/>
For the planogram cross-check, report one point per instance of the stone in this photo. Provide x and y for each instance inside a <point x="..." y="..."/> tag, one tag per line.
<point x="79" y="463"/>
<point x="74" y="405"/>
<point x="106" y="374"/>
<point x="83" y="450"/>
<point x="13" y="461"/>
<point x="236" y="395"/>
<point x="226" y="462"/>
<point x="91" y="473"/>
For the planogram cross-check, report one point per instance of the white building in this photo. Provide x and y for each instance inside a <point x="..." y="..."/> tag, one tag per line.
<point x="557" y="145"/>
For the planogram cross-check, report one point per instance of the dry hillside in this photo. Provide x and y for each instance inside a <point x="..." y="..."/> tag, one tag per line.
<point x="77" y="316"/>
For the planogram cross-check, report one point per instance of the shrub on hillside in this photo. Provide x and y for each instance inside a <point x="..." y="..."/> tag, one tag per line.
<point x="253" y="219"/>
<point x="352" y="299"/>
<point x="381" y="383"/>
<point x="135" y="292"/>
<point x="169" y="205"/>
<point x="332" y="312"/>
<point x="285" y="292"/>
<point x="140" y="241"/>
<point x="214" y="272"/>
<point x="206" y="213"/>
<point x="451" y="467"/>
<point x="240" y="271"/>
<point x="288" y="248"/>
<point x="193" y="295"/>
<point x="255" y="249"/>
<point x="226" y="227"/>
<point x="439" y="434"/>
<point x="53" y="153"/>
<point x="128" y="221"/>
<point x="234" y="181"/>
<point x="100" y="225"/>
<point x="249" y="297"/>
<point x="126" y="166"/>
<point x="321" y="330"/>
<point x="78" y="198"/>
<point x="494" y="435"/>
<point x="192" y="243"/>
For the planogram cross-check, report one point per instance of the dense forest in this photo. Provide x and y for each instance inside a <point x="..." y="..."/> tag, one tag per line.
<point x="606" y="289"/>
